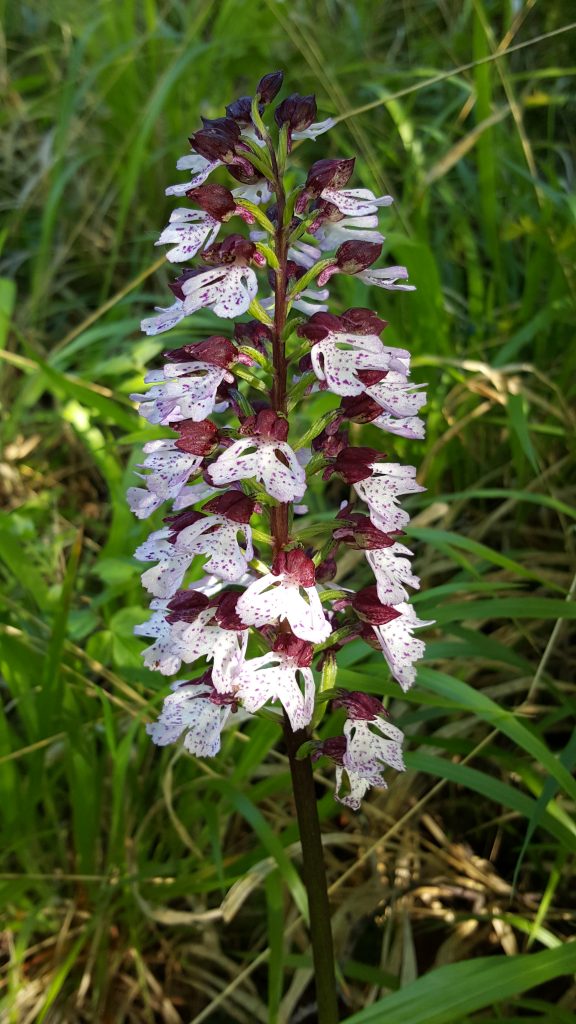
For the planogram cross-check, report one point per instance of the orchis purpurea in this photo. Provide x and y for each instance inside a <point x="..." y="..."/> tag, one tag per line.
<point x="258" y="627"/>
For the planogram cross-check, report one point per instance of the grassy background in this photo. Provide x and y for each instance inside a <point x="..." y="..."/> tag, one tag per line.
<point x="144" y="886"/>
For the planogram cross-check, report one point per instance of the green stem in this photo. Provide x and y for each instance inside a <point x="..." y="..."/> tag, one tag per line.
<point x="314" y="870"/>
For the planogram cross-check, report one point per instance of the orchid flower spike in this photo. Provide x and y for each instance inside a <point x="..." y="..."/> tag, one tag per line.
<point x="255" y="603"/>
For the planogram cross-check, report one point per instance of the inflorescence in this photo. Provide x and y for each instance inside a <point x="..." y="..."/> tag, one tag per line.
<point x="236" y="473"/>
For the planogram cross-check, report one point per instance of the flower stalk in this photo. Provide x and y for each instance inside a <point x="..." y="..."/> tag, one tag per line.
<point x="314" y="870"/>
<point x="238" y="592"/>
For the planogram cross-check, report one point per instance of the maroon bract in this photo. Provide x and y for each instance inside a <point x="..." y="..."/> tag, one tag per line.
<point x="359" y="705"/>
<point x="198" y="438"/>
<point x="296" y="565"/>
<point x="234" y="505"/>
<point x="354" y="464"/>
<point x="301" y="651"/>
<point x="368" y="608"/>
<point x="266" y="424"/>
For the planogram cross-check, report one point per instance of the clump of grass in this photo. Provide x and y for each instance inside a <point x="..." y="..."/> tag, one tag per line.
<point x="145" y="888"/>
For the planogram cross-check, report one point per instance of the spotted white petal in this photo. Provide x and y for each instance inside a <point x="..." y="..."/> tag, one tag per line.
<point x="338" y="357"/>
<point x="404" y="426"/>
<point x="189" y="237"/>
<point x="277" y="598"/>
<point x="356" y="202"/>
<point x="393" y="573"/>
<point x="142" y="503"/>
<point x="387" y="278"/>
<point x="228" y="291"/>
<point x="218" y="538"/>
<point x="169" y="317"/>
<point x="400" y="648"/>
<point x="190" y="709"/>
<point x="251" y="457"/>
<point x="275" y="677"/>
<point x="161" y="656"/>
<point x="314" y="130"/>
<point x="169" y="468"/>
<point x="373" y="742"/>
<point x="398" y="395"/>
<point x="380" y="492"/>
<point x="352" y="785"/>
<point x="200" y="168"/>
<point x="191" y="397"/>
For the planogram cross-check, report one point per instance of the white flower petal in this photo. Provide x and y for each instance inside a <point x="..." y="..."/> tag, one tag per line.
<point x="270" y="598"/>
<point x="357" y="202"/>
<point x="256" y="193"/>
<point x="403" y="426"/>
<point x="351" y="791"/>
<point x="228" y="291"/>
<point x="142" y="503"/>
<point x="202" y="169"/>
<point x="314" y="130"/>
<point x="189" y="708"/>
<point x="168" y="319"/>
<point x="179" y="397"/>
<point x="380" y="492"/>
<point x="227" y="559"/>
<point x="399" y="647"/>
<point x="338" y="357"/>
<point x="393" y="573"/>
<point x="333" y="234"/>
<point x="387" y="278"/>
<point x="397" y="395"/>
<point x="250" y="457"/>
<point x="275" y="677"/>
<point x="189" y="237"/>
<point x="367" y="746"/>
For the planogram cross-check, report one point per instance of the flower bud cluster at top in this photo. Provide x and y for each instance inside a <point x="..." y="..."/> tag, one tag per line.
<point x="258" y="625"/>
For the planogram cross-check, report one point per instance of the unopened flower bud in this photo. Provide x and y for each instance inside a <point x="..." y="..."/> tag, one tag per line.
<point x="353" y="257"/>
<point x="360" y="408"/>
<point x="225" y="613"/>
<point x="326" y="571"/>
<point x="334" y="747"/>
<point x="359" y="706"/>
<point x="298" y="112"/>
<point x="235" y="249"/>
<point x="359" y="532"/>
<point x="269" y="86"/>
<point x="368" y="608"/>
<point x="362" y="321"/>
<point x="254" y="334"/>
<point x="354" y="464"/>
<point x="215" y="200"/>
<point x="217" y="350"/>
<point x="240" y="111"/>
<point x="324" y="174"/>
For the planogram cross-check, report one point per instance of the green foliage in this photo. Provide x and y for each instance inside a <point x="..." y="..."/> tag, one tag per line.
<point x="145" y="886"/>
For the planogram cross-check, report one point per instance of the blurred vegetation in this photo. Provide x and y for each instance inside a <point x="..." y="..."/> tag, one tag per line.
<point x="145" y="886"/>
